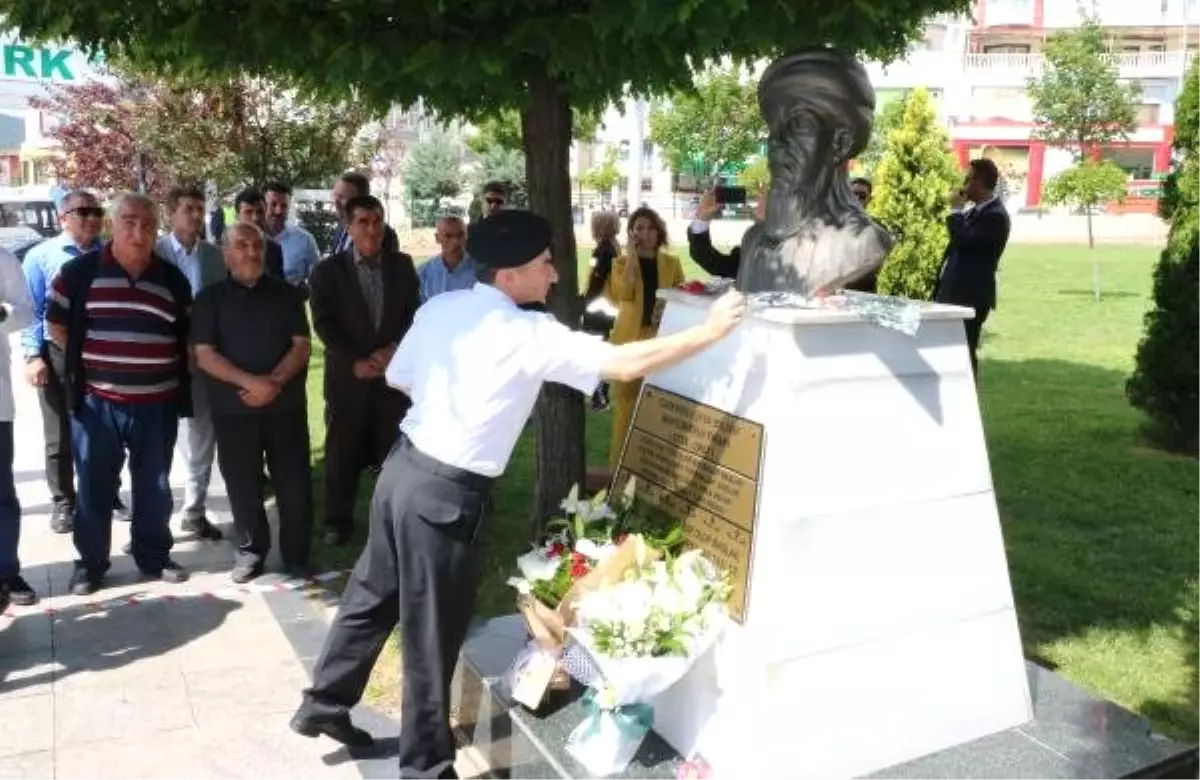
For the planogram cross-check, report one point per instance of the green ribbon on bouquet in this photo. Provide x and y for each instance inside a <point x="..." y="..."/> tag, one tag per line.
<point x="632" y="720"/>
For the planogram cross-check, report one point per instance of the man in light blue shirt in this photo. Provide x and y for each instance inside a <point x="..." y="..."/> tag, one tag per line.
<point x="81" y="217"/>
<point x="300" y="251"/>
<point x="453" y="269"/>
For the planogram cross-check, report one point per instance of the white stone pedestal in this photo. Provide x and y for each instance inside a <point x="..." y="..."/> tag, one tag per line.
<point x="880" y="624"/>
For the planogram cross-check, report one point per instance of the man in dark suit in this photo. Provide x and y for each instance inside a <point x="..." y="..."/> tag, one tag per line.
<point x="717" y="263"/>
<point x="354" y="185"/>
<point x="251" y="208"/>
<point x="363" y="301"/>
<point x="978" y="236"/>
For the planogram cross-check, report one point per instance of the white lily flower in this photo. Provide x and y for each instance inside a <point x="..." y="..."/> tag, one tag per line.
<point x="572" y="505"/>
<point x="535" y="565"/>
<point x="597" y="552"/>
<point x="522" y="585"/>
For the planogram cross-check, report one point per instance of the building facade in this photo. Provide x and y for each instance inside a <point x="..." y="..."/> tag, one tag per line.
<point x="976" y="71"/>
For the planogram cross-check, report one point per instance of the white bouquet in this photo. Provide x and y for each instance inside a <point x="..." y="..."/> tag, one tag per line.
<point x="634" y="639"/>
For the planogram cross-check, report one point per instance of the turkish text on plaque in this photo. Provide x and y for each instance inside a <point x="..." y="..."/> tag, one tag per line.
<point x="700" y="465"/>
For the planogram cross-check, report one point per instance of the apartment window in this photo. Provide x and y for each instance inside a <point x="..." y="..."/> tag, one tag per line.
<point x="1137" y="162"/>
<point x="1148" y="113"/>
<point x="1007" y="48"/>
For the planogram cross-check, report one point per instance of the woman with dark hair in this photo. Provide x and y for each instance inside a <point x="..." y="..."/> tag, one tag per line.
<point x="633" y="285"/>
<point x="598" y="313"/>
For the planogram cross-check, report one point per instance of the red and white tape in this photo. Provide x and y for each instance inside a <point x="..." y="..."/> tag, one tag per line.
<point x="177" y="594"/>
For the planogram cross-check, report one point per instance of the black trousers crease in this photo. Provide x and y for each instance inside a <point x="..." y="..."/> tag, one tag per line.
<point x="420" y="569"/>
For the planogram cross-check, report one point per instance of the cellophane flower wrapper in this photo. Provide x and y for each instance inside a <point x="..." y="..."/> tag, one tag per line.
<point x="656" y="622"/>
<point x="886" y="311"/>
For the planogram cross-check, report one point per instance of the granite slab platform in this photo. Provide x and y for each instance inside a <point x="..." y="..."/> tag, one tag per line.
<point x="1072" y="735"/>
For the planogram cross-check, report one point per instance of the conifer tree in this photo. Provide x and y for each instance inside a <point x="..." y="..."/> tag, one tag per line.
<point x="912" y="185"/>
<point x="1166" y="379"/>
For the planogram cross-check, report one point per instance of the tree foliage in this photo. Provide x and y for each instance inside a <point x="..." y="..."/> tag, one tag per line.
<point x="1166" y="382"/>
<point x="1086" y="185"/>
<point x="756" y="177"/>
<point x="1079" y="102"/>
<point x="503" y="129"/>
<point x="710" y="125"/>
<point x="232" y="131"/>
<point x="603" y="177"/>
<point x="912" y="182"/>
<point x="433" y="168"/>
<point x="887" y="119"/>
<point x="474" y="60"/>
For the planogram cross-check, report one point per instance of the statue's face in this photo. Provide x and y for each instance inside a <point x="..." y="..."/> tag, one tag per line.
<point x="795" y="152"/>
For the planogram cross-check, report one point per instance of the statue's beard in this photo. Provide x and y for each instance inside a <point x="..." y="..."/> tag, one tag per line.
<point x="799" y="198"/>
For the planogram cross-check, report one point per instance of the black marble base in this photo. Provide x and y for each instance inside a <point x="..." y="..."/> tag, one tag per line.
<point x="1072" y="735"/>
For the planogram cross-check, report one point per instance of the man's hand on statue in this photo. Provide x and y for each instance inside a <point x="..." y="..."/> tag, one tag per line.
<point x="366" y="369"/>
<point x="708" y="207"/>
<point x="725" y="313"/>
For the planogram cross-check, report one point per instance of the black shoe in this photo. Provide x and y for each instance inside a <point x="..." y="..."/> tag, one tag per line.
<point x="170" y="572"/>
<point x="119" y="511"/>
<point x="62" y="518"/>
<point x="336" y="727"/>
<point x="244" y="572"/>
<point x="336" y="537"/>
<point x="202" y="528"/>
<point x="83" y="582"/>
<point x="19" y="592"/>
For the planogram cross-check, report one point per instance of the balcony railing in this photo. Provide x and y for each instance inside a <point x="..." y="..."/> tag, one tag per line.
<point x="1129" y="65"/>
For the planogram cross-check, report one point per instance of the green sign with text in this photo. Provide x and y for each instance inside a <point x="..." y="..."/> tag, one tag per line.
<point x="34" y="62"/>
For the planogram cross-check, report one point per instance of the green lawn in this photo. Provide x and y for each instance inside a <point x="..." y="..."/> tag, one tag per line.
<point x="1100" y="530"/>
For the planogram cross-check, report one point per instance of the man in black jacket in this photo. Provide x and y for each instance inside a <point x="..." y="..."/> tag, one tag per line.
<point x="363" y="302"/>
<point x="978" y="236"/>
<point x="251" y="207"/>
<point x="717" y="263"/>
<point x="350" y="186"/>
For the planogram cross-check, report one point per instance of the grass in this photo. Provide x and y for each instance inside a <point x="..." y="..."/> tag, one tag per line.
<point x="1100" y="529"/>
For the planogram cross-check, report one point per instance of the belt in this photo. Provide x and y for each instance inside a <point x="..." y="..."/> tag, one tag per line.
<point x="407" y="450"/>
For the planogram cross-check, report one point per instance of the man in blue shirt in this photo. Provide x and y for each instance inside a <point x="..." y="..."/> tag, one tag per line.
<point x="81" y="217"/>
<point x="453" y="269"/>
<point x="300" y="251"/>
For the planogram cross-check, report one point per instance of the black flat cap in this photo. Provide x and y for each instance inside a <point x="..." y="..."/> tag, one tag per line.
<point x="509" y="239"/>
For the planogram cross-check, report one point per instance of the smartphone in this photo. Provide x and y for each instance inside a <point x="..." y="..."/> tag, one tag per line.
<point x="730" y="196"/>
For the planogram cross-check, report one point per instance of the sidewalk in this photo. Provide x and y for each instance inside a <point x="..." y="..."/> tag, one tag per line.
<point x="147" y="679"/>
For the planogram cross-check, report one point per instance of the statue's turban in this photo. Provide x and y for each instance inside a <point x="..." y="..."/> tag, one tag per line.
<point x="825" y="81"/>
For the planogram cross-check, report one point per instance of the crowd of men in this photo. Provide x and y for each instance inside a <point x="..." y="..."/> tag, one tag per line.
<point x="158" y="345"/>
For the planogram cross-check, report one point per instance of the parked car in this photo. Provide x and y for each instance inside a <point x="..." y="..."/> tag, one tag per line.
<point x="19" y="240"/>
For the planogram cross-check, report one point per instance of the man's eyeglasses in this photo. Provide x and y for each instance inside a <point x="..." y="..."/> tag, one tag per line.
<point x="95" y="212"/>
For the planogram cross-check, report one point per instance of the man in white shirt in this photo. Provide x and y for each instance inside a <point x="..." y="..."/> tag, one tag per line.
<point x="16" y="312"/>
<point x="203" y="265"/>
<point x="473" y="363"/>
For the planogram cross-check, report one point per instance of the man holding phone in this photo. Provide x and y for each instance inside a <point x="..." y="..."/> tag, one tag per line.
<point x="700" y="244"/>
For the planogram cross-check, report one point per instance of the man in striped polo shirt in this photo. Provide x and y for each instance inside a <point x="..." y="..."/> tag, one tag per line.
<point x="121" y="316"/>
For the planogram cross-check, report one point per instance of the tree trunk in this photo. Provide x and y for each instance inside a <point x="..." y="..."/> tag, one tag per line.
<point x="1095" y="260"/>
<point x="559" y="417"/>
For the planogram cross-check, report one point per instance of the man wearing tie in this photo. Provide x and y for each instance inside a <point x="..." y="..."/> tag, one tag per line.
<point x="203" y="265"/>
<point x="978" y="236"/>
<point x="349" y="186"/>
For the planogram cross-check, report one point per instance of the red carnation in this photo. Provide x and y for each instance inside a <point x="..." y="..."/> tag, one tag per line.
<point x="556" y="550"/>
<point x="579" y="565"/>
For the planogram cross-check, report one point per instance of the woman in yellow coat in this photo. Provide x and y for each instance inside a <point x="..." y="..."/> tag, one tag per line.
<point x="637" y="275"/>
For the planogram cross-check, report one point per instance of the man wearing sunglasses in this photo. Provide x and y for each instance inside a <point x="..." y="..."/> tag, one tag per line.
<point x="81" y="217"/>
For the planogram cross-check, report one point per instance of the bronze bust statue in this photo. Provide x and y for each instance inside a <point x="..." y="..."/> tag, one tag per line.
<point x="818" y="105"/>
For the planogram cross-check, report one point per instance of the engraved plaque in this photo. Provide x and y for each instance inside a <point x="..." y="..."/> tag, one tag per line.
<point x="699" y="465"/>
